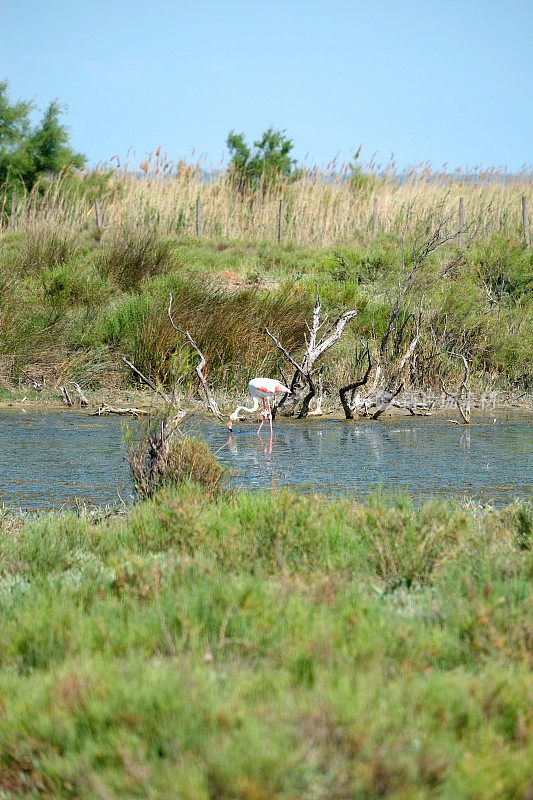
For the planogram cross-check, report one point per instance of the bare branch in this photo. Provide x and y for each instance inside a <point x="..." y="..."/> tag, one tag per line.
<point x="83" y="399"/>
<point x="386" y="401"/>
<point x="320" y="393"/>
<point x="351" y="387"/>
<point x="65" y="395"/>
<point x="146" y="380"/>
<point x="304" y="410"/>
<point x="211" y="402"/>
<point x="305" y="370"/>
<point x="458" y="396"/>
<point x="285" y="352"/>
<point x="337" y="328"/>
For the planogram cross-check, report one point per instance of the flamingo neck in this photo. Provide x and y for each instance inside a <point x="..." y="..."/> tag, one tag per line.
<point x="251" y="410"/>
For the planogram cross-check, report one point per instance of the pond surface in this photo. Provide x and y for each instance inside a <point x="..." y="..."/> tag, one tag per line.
<point x="52" y="459"/>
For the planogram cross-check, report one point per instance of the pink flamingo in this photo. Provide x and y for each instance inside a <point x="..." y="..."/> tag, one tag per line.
<point x="260" y="389"/>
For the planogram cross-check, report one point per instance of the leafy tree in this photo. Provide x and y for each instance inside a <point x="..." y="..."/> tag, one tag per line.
<point x="29" y="152"/>
<point x="270" y="159"/>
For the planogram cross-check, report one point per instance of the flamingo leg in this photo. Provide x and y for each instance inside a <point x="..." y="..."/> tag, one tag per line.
<point x="264" y="417"/>
<point x="269" y="416"/>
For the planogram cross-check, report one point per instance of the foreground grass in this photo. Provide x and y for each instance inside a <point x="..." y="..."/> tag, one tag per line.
<point x="268" y="645"/>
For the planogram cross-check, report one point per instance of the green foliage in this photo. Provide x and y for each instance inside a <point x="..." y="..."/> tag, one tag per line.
<point x="29" y="153"/>
<point x="132" y="254"/>
<point x="181" y="459"/>
<point x="360" y="182"/>
<point x="504" y="266"/>
<point x="269" y="161"/>
<point x="43" y="247"/>
<point x="58" y="286"/>
<point x="267" y="645"/>
<point x="228" y="327"/>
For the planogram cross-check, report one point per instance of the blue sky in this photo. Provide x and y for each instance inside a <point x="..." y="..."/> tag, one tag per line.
<point x="443" y="82"/>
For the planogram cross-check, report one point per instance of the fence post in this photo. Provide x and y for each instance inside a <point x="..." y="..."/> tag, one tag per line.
<point x="461" y="220"/>
<point x="525" y="221"/>
<point x="12" y="217"/>
<point x="280" y="221"/>
<point x="198" y="216"/>
<point x="375" y="218"/>
<point x="98" y="214"/>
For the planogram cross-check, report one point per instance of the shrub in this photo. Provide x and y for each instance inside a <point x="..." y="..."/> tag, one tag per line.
<point x="45" y="246"/>
<point x="158" y="458"/>
<point x="131" y="254"/>
<point x="192" y="460"/>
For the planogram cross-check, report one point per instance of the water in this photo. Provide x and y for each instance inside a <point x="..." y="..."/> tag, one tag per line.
<point x="50" y="458"/>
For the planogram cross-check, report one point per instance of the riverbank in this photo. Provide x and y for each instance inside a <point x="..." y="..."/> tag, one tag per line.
<point x="499" y="402"/>
<point x="268" y="645"/>
<point x="72" y="305"/>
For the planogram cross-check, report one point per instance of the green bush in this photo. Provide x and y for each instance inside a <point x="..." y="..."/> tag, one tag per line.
<point x="131" y="254"/>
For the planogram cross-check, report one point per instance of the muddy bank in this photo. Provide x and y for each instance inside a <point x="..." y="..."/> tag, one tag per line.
<point x="439" y="405"/>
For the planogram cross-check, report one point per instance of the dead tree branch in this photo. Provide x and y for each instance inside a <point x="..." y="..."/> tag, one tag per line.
<point x="461" y="398"/>
<point x="350" y="388"/>
<point x="147" y="381"/>
<point x="83" y="400"/>
<point x="319" y="396"/>
<point x="285" y="352"/>
<point x="65" y="395"/>
<point x="211" y="402"/>
<point x="315" y="348"/>
<point x="384" y="400"/>
<point x="394" y="355"/>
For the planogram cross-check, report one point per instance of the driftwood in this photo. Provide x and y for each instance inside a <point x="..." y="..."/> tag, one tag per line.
<point x="105" y="409"/>
<point x="83" y="400"/>
<point x="315" y="348"/>
<point x="65" y="395"/>
<point x="461" y="398"/>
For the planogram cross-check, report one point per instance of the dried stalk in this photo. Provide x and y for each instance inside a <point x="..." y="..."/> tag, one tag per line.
<point x="211" y="402"/>
<point x="458" y="396"/>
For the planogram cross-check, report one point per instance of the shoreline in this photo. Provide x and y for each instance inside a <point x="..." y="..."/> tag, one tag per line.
<point x="481" y="402"/>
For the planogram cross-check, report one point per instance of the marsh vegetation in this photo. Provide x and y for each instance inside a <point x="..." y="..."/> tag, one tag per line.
<point x="268" y="645"/>
<point x="74" y="298"/>
<point x="210" y="644"/>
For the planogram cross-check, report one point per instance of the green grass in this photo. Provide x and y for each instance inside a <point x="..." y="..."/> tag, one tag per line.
<point x="268" y="645"/>
<point x="67" y="299"/>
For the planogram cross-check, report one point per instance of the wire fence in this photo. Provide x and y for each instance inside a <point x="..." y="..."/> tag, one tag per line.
<point x="317" y="212"/>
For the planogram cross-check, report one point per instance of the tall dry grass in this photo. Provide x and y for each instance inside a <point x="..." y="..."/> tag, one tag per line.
<point x="321" y="208"/>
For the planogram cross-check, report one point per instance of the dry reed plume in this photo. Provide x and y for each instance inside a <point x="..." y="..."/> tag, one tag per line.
<point x="319" y="208"/>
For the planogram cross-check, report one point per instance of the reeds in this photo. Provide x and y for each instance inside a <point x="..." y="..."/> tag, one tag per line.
<point x="229" y="328"/>
<point x="321" y="208"/>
